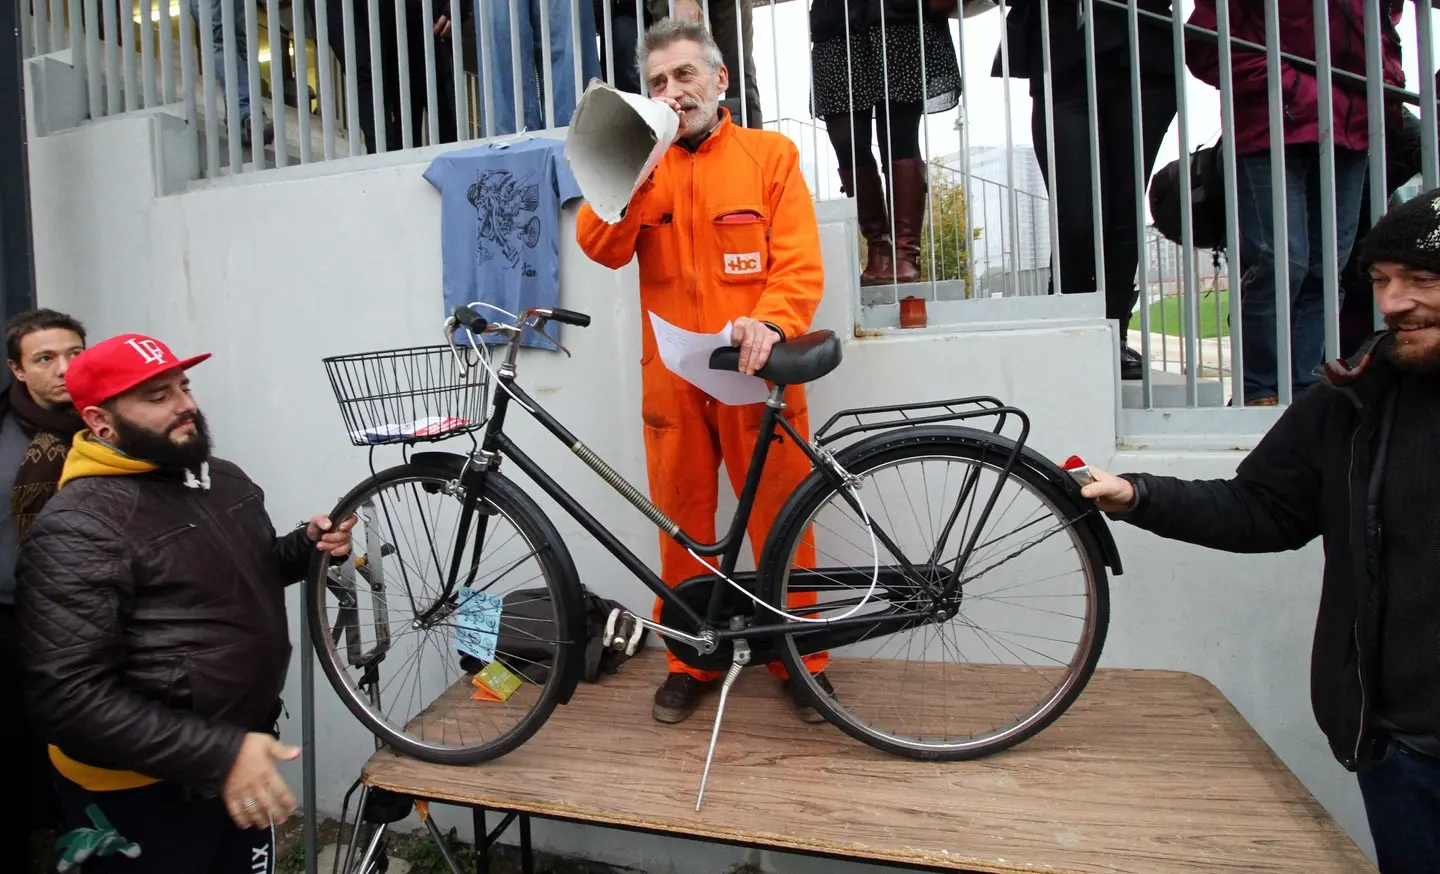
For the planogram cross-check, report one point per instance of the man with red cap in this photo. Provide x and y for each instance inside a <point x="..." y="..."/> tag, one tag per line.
<point x="154" y="636"/>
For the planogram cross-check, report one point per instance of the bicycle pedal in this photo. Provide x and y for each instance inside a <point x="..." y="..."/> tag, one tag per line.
<point x="623" y="631"/>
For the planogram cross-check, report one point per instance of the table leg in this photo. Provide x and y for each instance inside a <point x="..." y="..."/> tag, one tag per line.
<point x="482" y="840"/>
<point x="527" y="857"/>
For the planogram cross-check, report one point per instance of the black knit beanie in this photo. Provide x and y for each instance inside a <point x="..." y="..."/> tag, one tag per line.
<point x="1409" y="234"/>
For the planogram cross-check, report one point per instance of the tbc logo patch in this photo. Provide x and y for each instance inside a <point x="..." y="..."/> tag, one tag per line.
<point x="745" y="262"/>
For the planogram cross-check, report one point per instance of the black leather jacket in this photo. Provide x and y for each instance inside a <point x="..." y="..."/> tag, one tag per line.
<point x="153" y="630"/>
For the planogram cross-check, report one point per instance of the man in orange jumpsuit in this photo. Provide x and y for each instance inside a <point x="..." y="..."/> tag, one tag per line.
<point x="725" y="232"/>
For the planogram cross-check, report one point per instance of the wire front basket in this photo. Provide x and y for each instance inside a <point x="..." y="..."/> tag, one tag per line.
<point x="408" y="395"/>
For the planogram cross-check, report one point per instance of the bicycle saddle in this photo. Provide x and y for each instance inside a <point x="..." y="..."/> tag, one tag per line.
<point x="792" y="362"/>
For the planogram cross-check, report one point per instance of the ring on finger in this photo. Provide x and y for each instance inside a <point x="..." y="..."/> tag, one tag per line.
<point x="250" y="803"/>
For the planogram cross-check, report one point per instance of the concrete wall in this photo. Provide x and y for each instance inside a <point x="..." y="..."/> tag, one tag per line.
<point x="272" y="275"/>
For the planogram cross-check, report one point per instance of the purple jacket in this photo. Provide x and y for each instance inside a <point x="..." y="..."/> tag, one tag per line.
<point x="1299" y="92"/>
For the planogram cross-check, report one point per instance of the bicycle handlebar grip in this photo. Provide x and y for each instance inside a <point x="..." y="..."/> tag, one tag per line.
<point x="470" y="320"/>
<point x="569" y="317"/>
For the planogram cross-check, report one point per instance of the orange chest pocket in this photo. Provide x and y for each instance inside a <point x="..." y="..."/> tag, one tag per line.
<point x="657" y="250"/>
<point x="739" y="249"/>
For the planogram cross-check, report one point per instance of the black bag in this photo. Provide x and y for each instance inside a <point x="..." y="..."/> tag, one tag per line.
<point x="1207" y="192"/>
<point x="528" y="629"/>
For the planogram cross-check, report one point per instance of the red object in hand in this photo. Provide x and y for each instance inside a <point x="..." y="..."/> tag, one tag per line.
<point x="1073" y="462"/>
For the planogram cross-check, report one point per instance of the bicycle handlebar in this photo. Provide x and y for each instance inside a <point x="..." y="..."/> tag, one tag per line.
<point x="470" y="320"/>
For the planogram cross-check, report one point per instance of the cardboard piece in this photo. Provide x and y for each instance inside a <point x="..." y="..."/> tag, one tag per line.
<point x="614" y="142"/>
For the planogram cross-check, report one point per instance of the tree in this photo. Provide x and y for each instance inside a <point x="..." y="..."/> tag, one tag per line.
<point x="945" y="216"/>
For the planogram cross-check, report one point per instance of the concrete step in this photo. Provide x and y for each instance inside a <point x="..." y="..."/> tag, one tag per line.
<point x="1169" y="391"/>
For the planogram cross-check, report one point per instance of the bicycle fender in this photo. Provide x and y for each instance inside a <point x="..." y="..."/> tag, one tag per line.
<point x="453" y="465"/>
<point x="1094" y="522"/>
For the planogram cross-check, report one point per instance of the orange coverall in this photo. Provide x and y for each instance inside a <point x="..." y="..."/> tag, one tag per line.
<point x="725" y="231"/>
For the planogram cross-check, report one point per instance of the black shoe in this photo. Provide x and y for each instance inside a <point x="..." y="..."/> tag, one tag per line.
<point x="677" y="698"/>
<point x="1132" y="364"/>
<point x="803" y="709"/>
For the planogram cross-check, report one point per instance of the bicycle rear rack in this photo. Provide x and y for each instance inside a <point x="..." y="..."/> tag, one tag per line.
<point x="865" y="419"/>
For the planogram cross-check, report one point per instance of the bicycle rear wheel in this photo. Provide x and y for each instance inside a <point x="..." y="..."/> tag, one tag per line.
<point x="398" y="645"/>
<point x="988" y="667"/>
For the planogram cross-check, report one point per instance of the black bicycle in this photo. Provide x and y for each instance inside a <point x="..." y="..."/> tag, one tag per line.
<point x="956" y="577"/>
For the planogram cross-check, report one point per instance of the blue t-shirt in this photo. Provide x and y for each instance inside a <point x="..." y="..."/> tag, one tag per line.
<point x="500" y="226"/>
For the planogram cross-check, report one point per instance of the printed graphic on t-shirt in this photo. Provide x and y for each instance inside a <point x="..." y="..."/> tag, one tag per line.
<point x="501" y="202"/>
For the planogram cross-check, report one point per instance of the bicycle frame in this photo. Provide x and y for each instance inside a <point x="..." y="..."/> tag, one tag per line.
<point x="496" y="445"/>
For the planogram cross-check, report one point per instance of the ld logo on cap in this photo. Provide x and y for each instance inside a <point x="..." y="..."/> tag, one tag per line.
<point x="148" y="350"/>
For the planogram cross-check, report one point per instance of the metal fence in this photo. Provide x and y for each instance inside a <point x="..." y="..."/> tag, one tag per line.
<point x="1065" y="91"/>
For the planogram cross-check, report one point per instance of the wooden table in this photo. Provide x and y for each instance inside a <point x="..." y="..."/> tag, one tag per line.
<point x="1150" y="771"/>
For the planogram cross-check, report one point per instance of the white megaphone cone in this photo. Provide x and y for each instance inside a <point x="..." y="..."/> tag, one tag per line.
<point x="615" y="140"/>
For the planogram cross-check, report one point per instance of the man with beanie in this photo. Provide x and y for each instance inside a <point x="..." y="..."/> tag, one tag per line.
<point x="152" y="626"/>
<point x="1355" y="460"/>
<point x="37" y="422"/>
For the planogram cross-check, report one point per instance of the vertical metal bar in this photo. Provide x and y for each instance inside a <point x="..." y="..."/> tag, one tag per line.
<point x="114" y="95"/>
<point x="1092" y="100"/>
<point x="94" y="61"/>
<point x="774" y="64"/>
<point x="488" y="68"/>
<point x="27" y="36"/>
<point x="252" y="65"/>
<point x="1137" y="145"/>
<point x="1429" y="148"/>
<point x="740" y="61"/>
<point x="210" y="99"/>
<point x="324" y="71"/>
<point x="516" y="81"/>
<point x="1375" y="116"/>
<point x="147" y="51"/>
<point x="232" y="94"/>
<point x="40" y="32"/>
<point x="377" y="75"/>
<point x="302" y="82"/>
<point x="277" y="86"/>
<point x="1232" y="203"/>
<point x="308" y="795"/>
<point x="457" y="69"/>
<point x="432" y="103"/>
<point x="402" y="64"/>
<point x="1279" y="212"/>
<point x="1329" y="245"/>
<point x="187" y="61"/>
<point x="1052" y="202"/>
<point x="167" y="52"/>
<point x="547" y="65"/>
<point x="607" y="35"/>
<point x="925" y="131"/>
<point x="577" y="66"/>
<point x="65" y="29"/>
<point x="1191" y="319"/>
<point x="967" y="267"/>
<point x="1009" y="138"/>
<point x="348" y="23"/>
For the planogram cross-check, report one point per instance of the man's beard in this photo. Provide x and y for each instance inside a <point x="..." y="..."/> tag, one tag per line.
<point x="702" y="112"/>
<point x="159" y="449"/>
<point x="1415" y="357"/>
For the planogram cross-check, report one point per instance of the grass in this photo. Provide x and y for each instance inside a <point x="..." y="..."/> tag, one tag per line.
<point x="1211" y="324"/>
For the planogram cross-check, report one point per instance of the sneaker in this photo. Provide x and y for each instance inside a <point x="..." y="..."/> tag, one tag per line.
<point x="804" y="709"/>
<point x="678" y="697"/>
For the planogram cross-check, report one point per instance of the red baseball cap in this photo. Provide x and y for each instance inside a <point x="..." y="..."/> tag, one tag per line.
<point x="114" y="366"/>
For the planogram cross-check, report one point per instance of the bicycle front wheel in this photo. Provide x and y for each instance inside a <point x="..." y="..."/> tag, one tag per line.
<point x="994" y="660"/>
<point x="452" y="673"/>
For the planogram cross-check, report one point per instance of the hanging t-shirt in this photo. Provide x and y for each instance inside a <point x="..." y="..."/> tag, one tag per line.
<point x="500" y="226"/>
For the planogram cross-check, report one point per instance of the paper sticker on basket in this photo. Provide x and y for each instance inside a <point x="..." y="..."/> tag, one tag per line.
<point x="431" y="426"/>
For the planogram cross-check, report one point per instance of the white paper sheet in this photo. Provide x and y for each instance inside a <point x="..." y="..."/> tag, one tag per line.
<point x="687" y="355"/>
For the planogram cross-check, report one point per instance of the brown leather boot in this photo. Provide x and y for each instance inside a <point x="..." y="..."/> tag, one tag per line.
<point x="908" y="186"/>
<point x="874" y="218"/>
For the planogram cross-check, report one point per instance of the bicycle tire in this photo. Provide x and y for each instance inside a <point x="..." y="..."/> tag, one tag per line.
<point x="561" y="579"/>
<point x="960" y="443"/>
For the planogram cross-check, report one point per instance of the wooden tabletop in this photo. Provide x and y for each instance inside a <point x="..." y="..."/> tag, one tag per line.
<point x="1150" y="771"/>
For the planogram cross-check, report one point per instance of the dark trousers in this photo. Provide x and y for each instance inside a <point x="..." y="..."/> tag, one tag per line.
<point x="1402" y="802"/>
<point x="28" y="764"/>
<point x="730" y="25"/>
<point x="178" y="832"/>
<point x="1071" y="189"/>
<point x="365" y="67"/>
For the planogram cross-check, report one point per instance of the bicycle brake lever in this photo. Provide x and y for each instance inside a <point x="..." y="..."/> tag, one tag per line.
<point x="551" y="338"/>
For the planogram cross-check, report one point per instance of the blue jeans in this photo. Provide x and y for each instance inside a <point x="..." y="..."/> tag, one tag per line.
<point x="242" y="62"/>
<point x="1306" y="255"/>
<point x="1402" y="802"/>
<point x="532" y="69"/>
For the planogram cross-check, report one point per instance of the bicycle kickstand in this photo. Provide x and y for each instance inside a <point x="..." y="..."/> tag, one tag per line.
<point x="742" y="658"/>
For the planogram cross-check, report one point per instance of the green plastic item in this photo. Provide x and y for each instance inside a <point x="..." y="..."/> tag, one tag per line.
<point x="83" y="843"/>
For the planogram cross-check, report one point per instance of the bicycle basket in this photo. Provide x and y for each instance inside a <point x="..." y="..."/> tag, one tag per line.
<point x="407" y="395"/>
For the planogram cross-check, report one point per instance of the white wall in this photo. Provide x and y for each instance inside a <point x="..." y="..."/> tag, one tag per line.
<point x="272" y="275"/>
